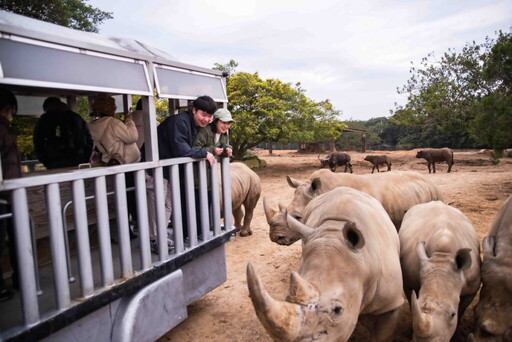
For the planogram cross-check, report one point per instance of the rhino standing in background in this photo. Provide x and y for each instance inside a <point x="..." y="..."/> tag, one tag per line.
<point x="437" y="155"/>
<point x="245" y="191"/>
<point x="440" y="258"/>
<point x="493" y="313"/>
<point x="397" y="191"/>
<point x="350" y="271"/>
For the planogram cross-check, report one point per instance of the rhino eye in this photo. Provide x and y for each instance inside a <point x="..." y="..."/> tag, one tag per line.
<point x="297" y="217"/>
<point x="337" y="310"/>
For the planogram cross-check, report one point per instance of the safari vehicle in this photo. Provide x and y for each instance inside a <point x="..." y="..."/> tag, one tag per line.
<point x="75" y="283"/>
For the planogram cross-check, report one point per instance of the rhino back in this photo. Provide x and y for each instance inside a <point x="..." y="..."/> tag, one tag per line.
<point x="245" y="183"/>
<point x="397" y="191"/>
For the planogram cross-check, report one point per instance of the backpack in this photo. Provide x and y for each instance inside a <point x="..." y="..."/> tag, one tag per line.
<point x="62" y="137"/>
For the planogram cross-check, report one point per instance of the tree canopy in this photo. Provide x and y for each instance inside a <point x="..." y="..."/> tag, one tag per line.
<point x="461" y="100"/>
<point x="274" y="111"/>
<point x="75" y="14"/>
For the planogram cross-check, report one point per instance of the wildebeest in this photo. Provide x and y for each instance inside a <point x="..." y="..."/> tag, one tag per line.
<point x="440" y="258"/>
<point x="245" y="191"/>
<point x="397" y="191"/>
<point x="493" y="313"/>
<point x="434" y="156"/>
<point x="324" y="162"/>
<point x="339" y="159"/>
<point x="350" y="271"/>
<point x="377" y="160"/>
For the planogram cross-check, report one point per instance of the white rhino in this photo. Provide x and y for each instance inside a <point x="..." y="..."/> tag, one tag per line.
<point x="245" y="191"/>
<point x="350" y="271"/>
<point x="440" y="258"/>
<point x="493" y="313"/>
<point x="397" y="191"/>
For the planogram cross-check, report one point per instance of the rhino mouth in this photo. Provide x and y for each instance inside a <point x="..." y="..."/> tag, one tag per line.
<point x="281" y="240"/>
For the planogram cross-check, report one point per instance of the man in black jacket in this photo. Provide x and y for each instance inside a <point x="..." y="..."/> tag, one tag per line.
<point x="61" y="136"/>
<point x="176" y="136"/>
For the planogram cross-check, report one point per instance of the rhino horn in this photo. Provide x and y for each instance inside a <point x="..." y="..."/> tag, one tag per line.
<point x="280" y="319"/>
<point x="269" y="212"/>
<point x="298" y="227"/>
<point x="302" y="291"/>
<point x="420" y="322"/>
<point x="282" y="207"/>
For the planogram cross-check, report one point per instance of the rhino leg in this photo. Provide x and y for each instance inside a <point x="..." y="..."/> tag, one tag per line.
<point x="238" y="214"/>
<point x="246" y="229"/>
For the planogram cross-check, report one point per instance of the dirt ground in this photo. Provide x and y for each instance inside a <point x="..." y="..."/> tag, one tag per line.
<point x="226" y="314"/>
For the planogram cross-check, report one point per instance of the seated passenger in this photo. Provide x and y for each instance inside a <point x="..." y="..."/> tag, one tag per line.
<point x="61" y="136"/>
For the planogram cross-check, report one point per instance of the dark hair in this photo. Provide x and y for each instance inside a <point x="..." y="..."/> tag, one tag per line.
<point x="7" y="99"/>
<point x="53" y="103"/>
<point x="205" y="103"/>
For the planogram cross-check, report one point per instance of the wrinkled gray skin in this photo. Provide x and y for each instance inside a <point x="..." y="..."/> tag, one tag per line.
<point x="493" y="313"/>
<point x="349" y="272"/>
<point x="324" y="162"/>
<point x="397" y="191"/>
<point x="377" y="160"/>
<point x="245" y="191"/>
<point x="435" y="156"/>
<point x="339" y="159"/>
<point x="440" y="258"/>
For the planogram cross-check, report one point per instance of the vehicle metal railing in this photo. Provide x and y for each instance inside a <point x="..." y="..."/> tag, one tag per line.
<point x="113" y="269"/>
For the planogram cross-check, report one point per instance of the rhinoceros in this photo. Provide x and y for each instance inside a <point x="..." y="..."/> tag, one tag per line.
<point x="440" y="258"/>
<point x="245" y="191"/>
<point x="397" y="191"/>
<point x="350" y="271"/>
<point x="434" y="156"/>
<point x="493" y="313"/>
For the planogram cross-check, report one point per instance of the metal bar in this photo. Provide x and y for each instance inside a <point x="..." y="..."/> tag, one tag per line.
<point x="174" y="175"/>
<point x="82" y="238"/>
<point x="226" y="193"/>
<point x="203" y="200"/>
<point x="57" y="246"/>
<point x="25" y="261"/>
<point x="103" y="226"/>
<point x="161" y="224"/>
<point x="191" y="204"/>
<point x="215" y="200"/>
<point x="123" y="226"/>
<point x="142" y="219"/>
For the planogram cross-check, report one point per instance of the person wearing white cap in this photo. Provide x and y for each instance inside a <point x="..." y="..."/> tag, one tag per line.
<point x="215" y="137"/>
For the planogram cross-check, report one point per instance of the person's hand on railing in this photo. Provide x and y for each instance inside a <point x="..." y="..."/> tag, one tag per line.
<point x="211" y="158"/>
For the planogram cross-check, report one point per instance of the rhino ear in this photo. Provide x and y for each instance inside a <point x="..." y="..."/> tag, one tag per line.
<point x="463" y="259"/>
<point x="315" y="185"/>
<point x="488" y="245"/>
<point x="353" y="236"/>
<point x="293" y="182"/>
<point x="420" y="250"/>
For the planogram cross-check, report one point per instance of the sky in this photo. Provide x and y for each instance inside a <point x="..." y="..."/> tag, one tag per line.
<point x="353" y="53"/>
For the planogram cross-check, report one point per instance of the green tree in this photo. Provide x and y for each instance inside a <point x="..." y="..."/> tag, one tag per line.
<point x="273" y="111"/>
<point x="492" y="123"/>
<point x="75" y="14"/>
<point x="441" y="94"/>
